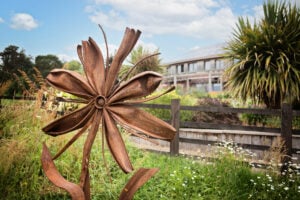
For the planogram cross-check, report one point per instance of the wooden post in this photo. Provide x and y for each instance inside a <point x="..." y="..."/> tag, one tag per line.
<point x="286" y="132"/>
<point x="175" y="121"/>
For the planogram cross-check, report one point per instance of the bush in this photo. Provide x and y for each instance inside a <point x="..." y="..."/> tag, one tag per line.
<point x="165" y="114"/>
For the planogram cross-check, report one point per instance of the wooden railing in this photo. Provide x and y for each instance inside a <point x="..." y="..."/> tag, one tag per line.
<point x="286" y="115"/>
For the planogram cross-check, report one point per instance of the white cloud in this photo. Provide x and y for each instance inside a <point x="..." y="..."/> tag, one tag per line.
<point x="23" y="21"/>
<point x="151" y="47"/>
<point x="67" y="58"/>
<point x="198" y="18"/>
<point x="1" y="20"/>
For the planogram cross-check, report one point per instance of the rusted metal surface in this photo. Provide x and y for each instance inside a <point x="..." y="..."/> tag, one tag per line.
<point x="108" y="103"/>
<point x="136" y="181"/>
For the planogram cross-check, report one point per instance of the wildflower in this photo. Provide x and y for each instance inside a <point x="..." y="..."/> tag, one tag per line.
<point x="259" y="166"/>
<point x="286" y="188"/>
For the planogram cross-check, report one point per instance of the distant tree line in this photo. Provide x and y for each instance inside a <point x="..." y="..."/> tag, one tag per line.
<point x="14" y="60"/>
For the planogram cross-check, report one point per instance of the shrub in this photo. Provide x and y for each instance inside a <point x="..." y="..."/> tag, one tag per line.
<point x="165" y="114"/>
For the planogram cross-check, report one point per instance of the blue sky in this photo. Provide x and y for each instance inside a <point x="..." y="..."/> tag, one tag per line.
<point x="178" y="28"/>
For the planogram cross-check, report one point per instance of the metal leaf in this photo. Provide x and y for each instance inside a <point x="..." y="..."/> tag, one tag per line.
<point x="136" y="181"/>
<point x="54" y="176"/>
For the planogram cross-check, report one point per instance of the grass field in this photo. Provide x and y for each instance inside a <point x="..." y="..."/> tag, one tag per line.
<point x="182" y="177"/>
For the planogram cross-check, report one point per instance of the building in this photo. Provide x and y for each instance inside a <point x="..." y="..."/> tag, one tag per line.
<point x="202" y="74"/>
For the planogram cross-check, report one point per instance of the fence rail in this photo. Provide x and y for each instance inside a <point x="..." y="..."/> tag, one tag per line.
<point x="285" y="131"/>
<point x="285" y="113"/>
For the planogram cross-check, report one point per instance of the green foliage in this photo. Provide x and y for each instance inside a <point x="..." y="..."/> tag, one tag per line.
<point x="136" y="57"/>
<point x="13" y="60"/>
<point x="73" y="65"/>
<point x="228" y="177"/>
<point x="46" y="63"/>
<point x="267" y="56"/>
<point x="165" y="114"/>
<point x="254" y="119"/>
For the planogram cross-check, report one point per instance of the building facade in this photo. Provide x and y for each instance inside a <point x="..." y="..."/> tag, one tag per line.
<point x="203" y="74"/>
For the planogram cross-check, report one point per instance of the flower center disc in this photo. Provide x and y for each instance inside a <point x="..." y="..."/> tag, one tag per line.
<point x="100" y="102"/>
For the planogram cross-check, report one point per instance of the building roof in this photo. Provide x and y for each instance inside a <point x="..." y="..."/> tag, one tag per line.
<point x="211" y="52"/>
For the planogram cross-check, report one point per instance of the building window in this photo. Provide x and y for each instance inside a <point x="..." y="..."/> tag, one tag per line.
<point x="180" y="69"/>
<point x="213" y="64"/>
<point x="207" y="65"/>
<point x="219" y="64"/>
<point x="172" y="70"/>
<point x="216" y="87"/>
<point x="192" y="67"/>
<point x="200" y="65"/>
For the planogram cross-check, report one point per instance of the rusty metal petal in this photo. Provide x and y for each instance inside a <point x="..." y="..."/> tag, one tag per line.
<point x="136" y="181"/>
<point x="116" y="143"/>
<point x="142" y="121"/>
<point x="54" y="176"/>
<point x="84" y="176"/>
<point x="71" y="122"/>
<point x="138" y="86"/>
<point x="129" y="40"/>
<point x="93" y="63"/>
<point x="70" y="82"/>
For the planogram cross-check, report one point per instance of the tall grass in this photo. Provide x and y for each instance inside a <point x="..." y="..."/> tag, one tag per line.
<point x="182" y="177"/>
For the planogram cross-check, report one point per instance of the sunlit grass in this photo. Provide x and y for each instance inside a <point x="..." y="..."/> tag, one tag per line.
<point x="183" y="177"/>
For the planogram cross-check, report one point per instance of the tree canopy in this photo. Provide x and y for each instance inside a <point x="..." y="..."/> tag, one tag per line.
<point x="15" y="66"/>
<point x="73" y="65"/>
<point x="45" y="63"/>
<point x="266" y="56"/>
<point x="12" y="60"/>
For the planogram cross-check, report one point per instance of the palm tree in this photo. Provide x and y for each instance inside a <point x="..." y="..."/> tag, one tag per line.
<point x="143" y="60"/>
<point x="266" y="56"/>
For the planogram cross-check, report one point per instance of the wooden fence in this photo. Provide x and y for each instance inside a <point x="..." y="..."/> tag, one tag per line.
<point x="286" y="115"/>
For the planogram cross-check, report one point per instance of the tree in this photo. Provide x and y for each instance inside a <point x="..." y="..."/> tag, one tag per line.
<point x="267" y="56"/>
<point x="143" y="60"/>
<point x="13" y="60"/>
<point x="46" y="63"/>
<point x="73" y="65"/>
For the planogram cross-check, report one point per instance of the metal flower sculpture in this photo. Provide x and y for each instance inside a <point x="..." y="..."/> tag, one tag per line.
<point x="108" y="102"/>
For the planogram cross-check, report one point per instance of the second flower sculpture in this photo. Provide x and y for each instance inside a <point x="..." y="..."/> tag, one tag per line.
<point x="108" y="102"/>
